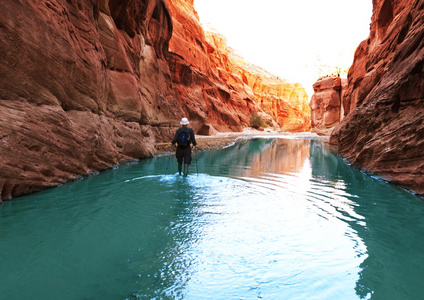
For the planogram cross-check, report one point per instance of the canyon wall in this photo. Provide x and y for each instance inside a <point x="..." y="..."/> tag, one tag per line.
<point x="326" y="104"/>
<point x="217" y="89"/>
<point x="85" y="85"/>
<point x="200" y="80"/>
<point x="383" y="128"/>
<point x="285" y="102"/>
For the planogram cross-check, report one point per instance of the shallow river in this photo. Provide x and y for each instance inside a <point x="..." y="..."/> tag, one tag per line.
<point x="264" y="219"/>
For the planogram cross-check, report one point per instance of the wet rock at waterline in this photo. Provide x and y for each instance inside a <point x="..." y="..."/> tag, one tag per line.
<point x="83" y="87"/>
<point x="383" y="130"/>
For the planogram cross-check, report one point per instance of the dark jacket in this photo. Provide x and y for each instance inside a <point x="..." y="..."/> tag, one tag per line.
<point x="191" y="133"/>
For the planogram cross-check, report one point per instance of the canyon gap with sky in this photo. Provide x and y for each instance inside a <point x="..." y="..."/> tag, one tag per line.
<point x="296" y="40"/>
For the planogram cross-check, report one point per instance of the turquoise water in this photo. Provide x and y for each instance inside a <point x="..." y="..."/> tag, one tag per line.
<point x="264" y="219"/>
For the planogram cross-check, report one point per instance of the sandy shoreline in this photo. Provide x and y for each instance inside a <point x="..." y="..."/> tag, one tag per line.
<point x="224" y="139"/>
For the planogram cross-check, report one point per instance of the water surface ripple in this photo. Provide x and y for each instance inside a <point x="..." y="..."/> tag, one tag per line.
<point x="265" y="219"/>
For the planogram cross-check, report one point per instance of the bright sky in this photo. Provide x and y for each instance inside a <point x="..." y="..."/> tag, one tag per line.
<point x="292" y="39"/>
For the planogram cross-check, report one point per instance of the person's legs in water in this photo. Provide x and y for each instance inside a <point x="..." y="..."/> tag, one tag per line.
<point x="180" y="155"/>
<point x="187" y="160"/>
<point x="186" y="169"/>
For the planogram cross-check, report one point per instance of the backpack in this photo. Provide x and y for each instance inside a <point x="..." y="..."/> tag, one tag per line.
<point x="183" y="139"/>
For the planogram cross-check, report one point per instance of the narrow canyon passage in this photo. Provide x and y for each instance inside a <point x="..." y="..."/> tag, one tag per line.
<point x="266" y="218"/>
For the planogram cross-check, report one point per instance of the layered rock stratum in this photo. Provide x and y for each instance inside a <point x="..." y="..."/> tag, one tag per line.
<point x="218" y="89"/>
<point x="383" y="128"/>
<point x="285" y="102"/>
<point x="85" y="85"/>
<point x="326" y="104"/>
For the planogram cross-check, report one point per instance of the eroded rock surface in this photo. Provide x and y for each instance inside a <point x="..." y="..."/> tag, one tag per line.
<point x="85" y="85"/>
<point x="383" y="130"/>
<point x="326" y="104"/>
<point x="284" y="102"/>
<point x="217" y="89"/>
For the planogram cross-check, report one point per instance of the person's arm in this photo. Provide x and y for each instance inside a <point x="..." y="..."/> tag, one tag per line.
<point x="193" y="138"/>
<point x="174" y="140"/>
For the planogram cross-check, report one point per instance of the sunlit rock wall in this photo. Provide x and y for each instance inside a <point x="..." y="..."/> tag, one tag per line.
<point x="217" y="90"/>
<point x="285" y="102"/>
<point x="86" y="85"/>
<point x="383" y="130"/>
<point x="326" y="104"/>
<point x="201" y="89"/>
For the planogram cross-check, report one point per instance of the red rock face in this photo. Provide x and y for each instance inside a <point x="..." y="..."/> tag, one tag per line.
<point x="326" y="104"/>
<point x="85" y="85"/>
<point x="42" y="145"/>
<point x="384" y="126"/>
<point x="200" y="76"/>
<point x="284" y="102"/>
<point x="219" y="93"/>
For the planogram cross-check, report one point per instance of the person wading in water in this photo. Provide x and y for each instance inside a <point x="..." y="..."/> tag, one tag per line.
<point x="184" y="136"/>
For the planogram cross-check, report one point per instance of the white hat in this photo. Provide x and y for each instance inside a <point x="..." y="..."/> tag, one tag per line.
<point x="184" y="121"/>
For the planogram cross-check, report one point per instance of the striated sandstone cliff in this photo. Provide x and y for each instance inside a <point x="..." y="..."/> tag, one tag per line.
<point x="219" y="93"/>
<point x="383" y="130"/>
<point x="85" y="85"/>
<point x="285" y="102"/>
<point x="199" y="81"/>
<point x="326" y="104"/>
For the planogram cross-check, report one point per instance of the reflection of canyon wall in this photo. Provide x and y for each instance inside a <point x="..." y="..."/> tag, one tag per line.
<point x="383" y="130"/>
<point x="326" y="104"/>
<point x="85" y="85"/>
<point x="258" y="157"/>
<point x="325" y="165"/>
<point x="280" y="156"/>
